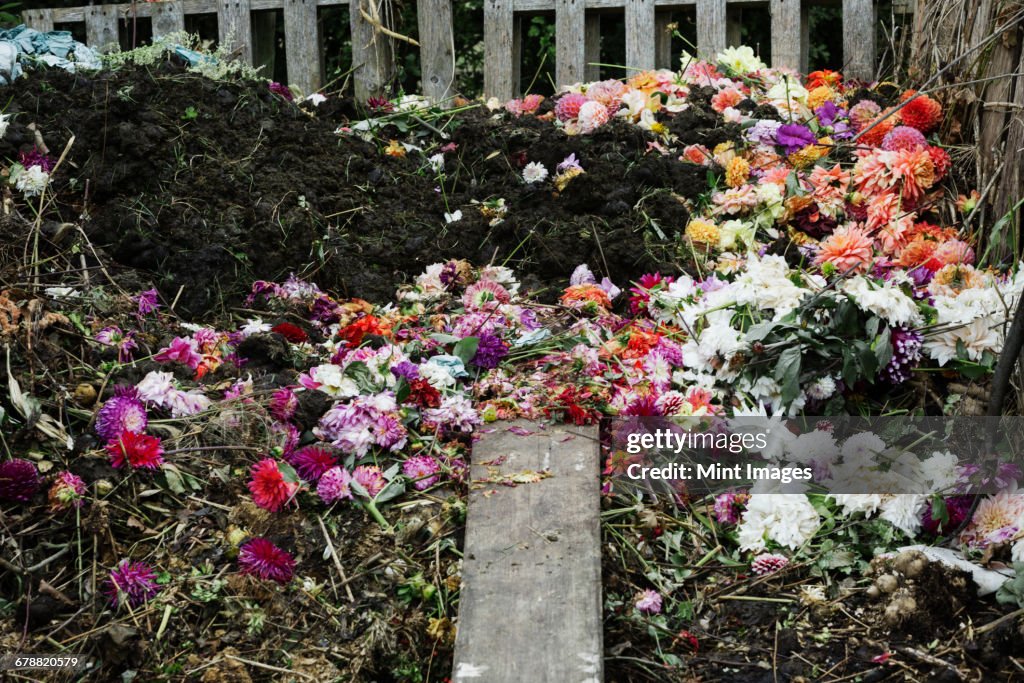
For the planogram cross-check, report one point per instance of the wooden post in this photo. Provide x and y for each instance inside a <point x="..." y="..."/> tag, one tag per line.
<point x="786" y="33"/>
<point x="373" y="58"/>
<point x="710" y="28"/>
<point x="570" y="55"/>
<point x="805" y="40"/>
<point x="592" y="47"/>
<point x="641" y="38"/>
<point x="168" y="17"/>
<point x="498" y="49"/>
<point x="437" y="48"/>
<point x="234" y="27"/>
<point x="859" y="39"/>
<point x="302" y="45"/>
<point x="662" y="40"/>
<point x="101" y="27"/>
<point x="39" y="19"/>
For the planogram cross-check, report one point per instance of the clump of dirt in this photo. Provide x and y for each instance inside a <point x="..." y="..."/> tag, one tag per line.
<point x="208" y="185"/>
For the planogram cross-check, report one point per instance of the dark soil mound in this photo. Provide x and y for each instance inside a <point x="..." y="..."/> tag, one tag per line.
<point x="210" y="184"/>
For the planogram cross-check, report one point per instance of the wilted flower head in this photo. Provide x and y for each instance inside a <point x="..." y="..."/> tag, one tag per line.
<point x="147" y="301"/>
<point x="124" y="342"/>
<point x="422" y="469"/>
<point x="282" y="90"/>
<point x="768" y="563"/>
<point x="135" y="581"/>
<point x="262" y="559"/>
<point x="36" y="159"/>
<point x="283" y="404"/>
<point x="648" y="602"/>
<point x="19" y="480"/>
<point x="66" y="492"/>
<point x="139" y="451"/>
<point x="370" y="478"/>
<point x="269" y="489"/>
<point x="123" y="412"/>
<point x="312" y="461"/>
<point x="335" y="485"/>
<point x="534" y="172"/>
<point x="489" y="351"/>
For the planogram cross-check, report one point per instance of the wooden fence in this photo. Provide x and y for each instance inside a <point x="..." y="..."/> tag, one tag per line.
<point x="577" y="35"/>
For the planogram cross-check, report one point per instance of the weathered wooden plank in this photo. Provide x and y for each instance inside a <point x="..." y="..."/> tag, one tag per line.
<point x="570" y="53"/>
<point x="39" y="19"/>
<point x="234" y="27"/>
<point x="437" y="48"/>
<point x="663" y="40"/>
<point x="530" y="605"/>
<point x="710" y="28"/>
<point x="640" y="34"/>
<point x="498" y="48"/>
<point x="101" y="27"/>
<point x="785" y="33"/>
<point x="168" y="17"/>
<point x="373" y="56"/>
<point x="302" y="45"/>
<point x="592" y="47"/>
<point x="859" y="39"/>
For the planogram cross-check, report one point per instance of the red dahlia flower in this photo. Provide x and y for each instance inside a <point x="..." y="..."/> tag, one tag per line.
<point x="139" y="451"/>
<point x="293" y="333"/>
<point x="268" y="487"/>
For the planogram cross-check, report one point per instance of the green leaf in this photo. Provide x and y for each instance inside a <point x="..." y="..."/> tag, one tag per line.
<point x="360" y="373"/>
<point x="288" y="472"/>
<point x="466" y="349"/>
<point x="883" y="347"/>
<point x="787" y="373"/>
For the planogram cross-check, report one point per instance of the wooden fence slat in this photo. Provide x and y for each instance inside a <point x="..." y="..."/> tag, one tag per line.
<point x="437" y="48"/>
<point x="640" y="34"/>
<point x="592" y="46"/>
<point x="498" y="49"/>
<point x="710" y="28"/>
<point x="373" y="59"/>
<point x="39" y="19"/>
<point x="101" y="27"/>
<point x="859" y="39"/>
<point x="234" y="27"/>
<point x="570" y="55"/>
<point x="786" y="33"/>
<point x="302" y="45"/>
<point x="168" y="17"/>
<point x="663" y="40"/>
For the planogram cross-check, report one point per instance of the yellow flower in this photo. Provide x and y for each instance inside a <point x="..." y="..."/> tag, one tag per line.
<point x="562" y="179"/>
<point x="724" y="152"/>
<point x="441" y="630"/>
<point x="702" y="231"/>
<point x="820" y="96"/>
<point x="395" y="149"/>
<point x="737" y="172"/>
<point x="809" y="154"/>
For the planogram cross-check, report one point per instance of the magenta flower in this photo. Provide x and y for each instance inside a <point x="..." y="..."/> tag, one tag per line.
<point x="648" y="602"/>
<point x="262" y="559"/>
<point x="282" y="90"/>
<point x="124" y="342"/>
<point x="19" y="480"/>
<point x="123" y="412"/>
<point x="283" y="404"/>
<point x="148" y="302"/>
<point x="36" y="158"/>
<point x="135" y="581"/>
<point x="422" y="469"/>
<point x="180" y="351"/>
<point x="335" y="485"/>
<point x="312" y="461"/>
